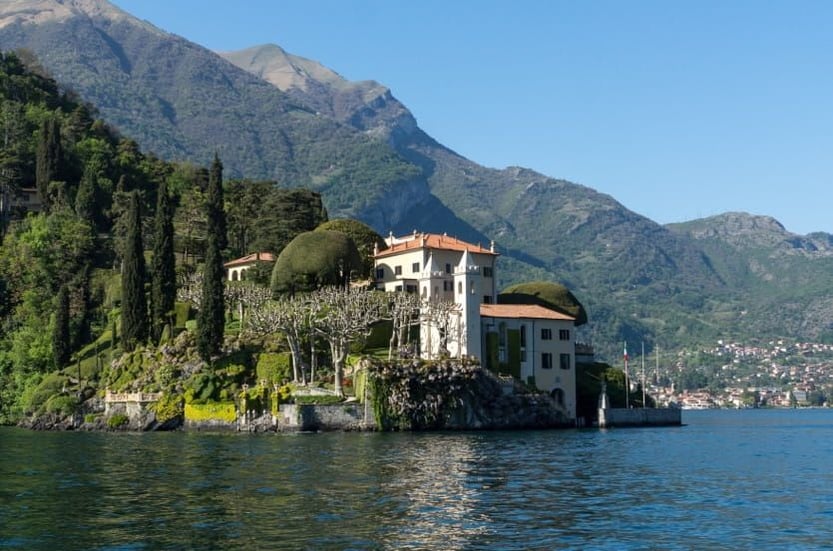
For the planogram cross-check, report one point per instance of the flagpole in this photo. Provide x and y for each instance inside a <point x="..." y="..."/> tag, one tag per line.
<point x="643" y="374"/>
<point x="627" y="380"/>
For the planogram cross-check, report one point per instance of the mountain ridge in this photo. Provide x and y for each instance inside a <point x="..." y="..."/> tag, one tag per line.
<point x="370" y="159"/>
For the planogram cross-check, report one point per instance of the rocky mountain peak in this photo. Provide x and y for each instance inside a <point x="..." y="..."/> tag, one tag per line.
<point x="46" y="11"/>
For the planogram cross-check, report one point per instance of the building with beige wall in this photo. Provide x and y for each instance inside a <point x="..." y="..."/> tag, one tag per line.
<point x="530" y="342"/>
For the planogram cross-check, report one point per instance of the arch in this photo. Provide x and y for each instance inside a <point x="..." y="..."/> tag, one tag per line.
<point x="558" y="395"/>
<point x="234" y="275"/>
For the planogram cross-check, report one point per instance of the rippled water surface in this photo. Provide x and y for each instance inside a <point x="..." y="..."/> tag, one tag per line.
<point x="753" y="479"/>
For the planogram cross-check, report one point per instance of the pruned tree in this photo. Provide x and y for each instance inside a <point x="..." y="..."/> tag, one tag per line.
<point x="444" y="315"/>
<point x="345" y="316"/>
<point x="289" y="316"/>
<point x="403" y="311"/>
<point x="313" y="260"/>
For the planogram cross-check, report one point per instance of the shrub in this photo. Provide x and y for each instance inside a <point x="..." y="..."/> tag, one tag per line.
<point x="61" y="404"/>
<point x="117" y="420"/>
<point x="50" y="385"/>
<point x="90" y="418"/>
<point x="211" y="411"/>
<point x="168" y="407"/>
<point x="274" y="367"/>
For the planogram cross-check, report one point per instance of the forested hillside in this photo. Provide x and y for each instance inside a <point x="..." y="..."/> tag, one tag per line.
<point x="82" y="206"/>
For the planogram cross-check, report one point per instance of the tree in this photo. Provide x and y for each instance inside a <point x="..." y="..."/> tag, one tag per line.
<point x="284" y="214"/>
<point x="134" y="321"/>
<point x="365" y="238"/>
<point x="547" y="294"/>
<point x="49" y="157"/>
<point x="346" y="315"/>
<point x="289" y="316"/>
<point x="60" y="333"/>
<point x="211" y="316"/>
<point x="85" y="204"/>
<point x="163" y="275"/>
<point x="313" y="260"/>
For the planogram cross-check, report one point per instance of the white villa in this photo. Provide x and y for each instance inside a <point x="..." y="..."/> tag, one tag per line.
<point x="236" y="269"/>
<point x="530" y="342"/>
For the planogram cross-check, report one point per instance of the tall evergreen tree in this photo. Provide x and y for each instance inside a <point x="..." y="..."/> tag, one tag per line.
<point x="134" y="320"/>
<point x="49" y="157"/>
<point x="211" y="319"/>
<point x="60" y="333"/>
<point x="215" y="203"/>
<point x="163" y="276"/>
<point x="85" y="196"/>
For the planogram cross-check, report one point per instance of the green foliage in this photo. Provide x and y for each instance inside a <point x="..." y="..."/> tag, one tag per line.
<point x="182" y="311"/>
<point x="134" y="322"/>
<point x="211" y="411"/>
<point x="61" y="404"/>
<point x="117" y="421"/>
<point x="318" y="399"/>
<point x="275" y="368"/>
<point x="315" y="259"/>
<point x="60" y="332"/>
<point x="364" y="237"/>
<point x="283" y="214"/>
<point x="51" y="385"/>
<point x="547" y="294"/>
<point x="163" y="273"/>
<point x="211" y="315"/>
<point x="417" y="394"/>
<point x="168" y="407"/>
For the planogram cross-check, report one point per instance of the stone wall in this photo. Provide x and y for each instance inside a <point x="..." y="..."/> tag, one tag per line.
<point x="308" y="417"/>
<point x="639" y="417"/>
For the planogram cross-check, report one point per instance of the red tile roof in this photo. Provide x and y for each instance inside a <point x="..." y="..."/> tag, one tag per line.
<point x="433" y="241"/>
<point x="250" y="258"/>
<point x="532" y="311"/>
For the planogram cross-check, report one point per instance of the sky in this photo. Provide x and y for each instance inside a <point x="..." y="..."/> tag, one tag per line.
<point x="678" y="109"/>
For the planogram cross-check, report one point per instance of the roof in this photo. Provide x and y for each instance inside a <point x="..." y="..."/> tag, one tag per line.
<point x="249" y="259"/>
<point x="529" y="311"/>
<point x="432" y="241"/>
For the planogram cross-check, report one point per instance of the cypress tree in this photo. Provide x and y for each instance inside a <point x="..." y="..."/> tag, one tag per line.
<point x="134" y="322"/>
<point x="163" y="276"/>
<point x="85" y="197"/>
<point x="211" y="318"/>
<point x="60" y="333"/>
<point x="49" y="157"/>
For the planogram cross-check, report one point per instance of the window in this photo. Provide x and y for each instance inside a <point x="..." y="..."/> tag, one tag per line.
<point x="448" y="286"/>
<point x="410" y="288"/>
<point x="459" y="287"/>
<point x="546" y="334"/>
<point x="565" y="361"/>
<point x="563" y="334"/>
<point x="487" y="271"/>
<point x="546" y="360"/>
<point x="397" y="270"/>
<point x="448" y="268"/>
<point x="415" y="267"/>
<point x="523" y="336"/>
<point x="487" y="299"/>
<point x="398" y="289"/>
<point x="380" y="273"/>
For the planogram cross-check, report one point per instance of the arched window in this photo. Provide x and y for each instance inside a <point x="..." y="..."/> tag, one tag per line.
<point x="425" y="292"/>
<point x="234" y="275"/>
<point x="459" y="287"/>
<point x="471" y="287"/>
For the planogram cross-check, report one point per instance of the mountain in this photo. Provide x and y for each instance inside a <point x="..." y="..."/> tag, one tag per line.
<point x="183" y="102"/>
<point x="274" y="115"/>
<point x="781" y="281"/>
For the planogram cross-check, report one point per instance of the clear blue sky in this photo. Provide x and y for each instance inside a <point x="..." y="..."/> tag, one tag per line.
<point x="678" y="109"/>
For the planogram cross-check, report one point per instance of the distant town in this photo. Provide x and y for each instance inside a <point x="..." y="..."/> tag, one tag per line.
<point x="737" y="375"/>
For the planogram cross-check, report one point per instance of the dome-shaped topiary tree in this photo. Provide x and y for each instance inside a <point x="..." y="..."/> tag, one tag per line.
<point x="362" y="235"/>
<point x="547" y="294"/>
<point x="315" y="259"/>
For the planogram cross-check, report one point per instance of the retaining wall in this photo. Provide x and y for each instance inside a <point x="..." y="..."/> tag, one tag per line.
<point x="639" y="417"/>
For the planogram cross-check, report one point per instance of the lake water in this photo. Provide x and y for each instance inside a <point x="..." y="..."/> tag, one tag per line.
<point x="749" y="479"/>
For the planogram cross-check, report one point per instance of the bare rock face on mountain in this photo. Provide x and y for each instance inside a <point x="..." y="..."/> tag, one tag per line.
<point x="365" y="105"/>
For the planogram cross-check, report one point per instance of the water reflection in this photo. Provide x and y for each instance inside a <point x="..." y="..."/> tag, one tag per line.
<point x="693" y="487"/>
